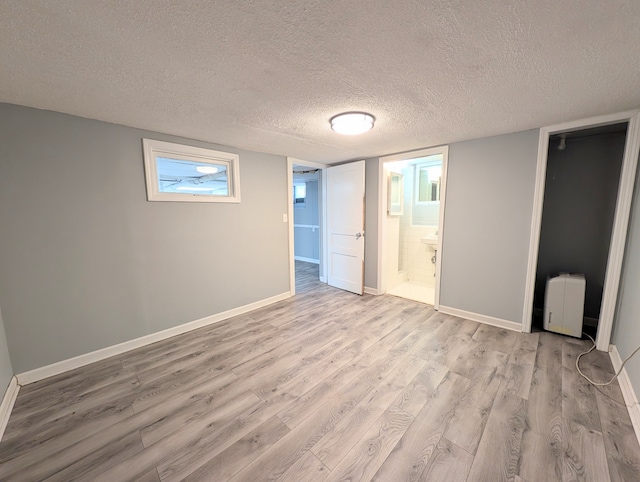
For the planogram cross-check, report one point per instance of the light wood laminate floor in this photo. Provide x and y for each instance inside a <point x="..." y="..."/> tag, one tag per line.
<point x="329" y="386"/>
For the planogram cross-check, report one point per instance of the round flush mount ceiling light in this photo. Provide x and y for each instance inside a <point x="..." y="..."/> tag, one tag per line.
<point x="352" y="123"/>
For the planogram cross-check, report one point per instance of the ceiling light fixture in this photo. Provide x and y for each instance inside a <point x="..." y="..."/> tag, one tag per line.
<point x="352" y="123"/>
<point x="563" y="142"/>
<point x="207" y="169"/>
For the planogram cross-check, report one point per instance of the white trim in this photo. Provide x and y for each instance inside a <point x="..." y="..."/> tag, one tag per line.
<point x="534" y="235"/>
<point x="382" y="212"/>
<point x="94" y="356"/>
<point x="623" y="206"/>
<point x="383" y="193"/>
<point x="308" y="260"/>
<point x="292" y="267"/>
<point x="487" y="320"/>
<point x="6" y="406"/>
<point x="324" y="234"/>
<point x="370" y="291"/>
<point x="292" y="264"/>
<point x="629" y="394"/>
<point x="619" y="234"/>
<point x="443" y="200"/>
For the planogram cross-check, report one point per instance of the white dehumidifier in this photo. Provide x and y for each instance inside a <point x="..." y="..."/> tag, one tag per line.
<point x="564" y="304"/>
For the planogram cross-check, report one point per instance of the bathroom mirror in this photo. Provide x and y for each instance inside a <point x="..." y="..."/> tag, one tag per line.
<point x="395" y="198"/>
<point x="428" y="177"/>
<point x="426" y="182"/>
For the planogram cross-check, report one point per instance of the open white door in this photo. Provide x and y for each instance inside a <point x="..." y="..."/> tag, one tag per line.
<point x="345" y="220"/>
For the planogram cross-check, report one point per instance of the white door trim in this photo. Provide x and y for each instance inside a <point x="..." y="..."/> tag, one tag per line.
<point x="323" y="221"/>
<point x="620" y="224"/>
<point x="382" y="213"/>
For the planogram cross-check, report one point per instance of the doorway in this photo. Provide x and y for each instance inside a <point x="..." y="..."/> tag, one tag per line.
<point x="617" y="236"/>
<point x="306" y="216"/>
<point x="412" y="194"/>
<point x="581" y="188"/>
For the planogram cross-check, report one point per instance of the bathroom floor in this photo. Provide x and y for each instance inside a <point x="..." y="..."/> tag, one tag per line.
<point x="413" y="291"/>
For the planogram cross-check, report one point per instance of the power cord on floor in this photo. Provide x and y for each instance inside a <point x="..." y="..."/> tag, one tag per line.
<point x="589" y="351"/>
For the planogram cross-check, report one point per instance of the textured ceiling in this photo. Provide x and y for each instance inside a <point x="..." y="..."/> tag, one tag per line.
<point x="267" y="75"/>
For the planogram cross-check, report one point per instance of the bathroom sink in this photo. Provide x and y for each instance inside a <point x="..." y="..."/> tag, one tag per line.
<point x="431" y="241"/>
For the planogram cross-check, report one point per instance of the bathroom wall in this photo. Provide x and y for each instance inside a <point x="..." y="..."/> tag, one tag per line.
<point x="392" y="259"/>
<point x="87" y="262"/>
<point x="393" y="275"/>
<point x="581" y="190"/>
<point x="426" y="214"/>
<point x="415" y="256"/>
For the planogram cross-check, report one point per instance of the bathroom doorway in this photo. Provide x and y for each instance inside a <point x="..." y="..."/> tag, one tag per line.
<point x="412" y="188"/>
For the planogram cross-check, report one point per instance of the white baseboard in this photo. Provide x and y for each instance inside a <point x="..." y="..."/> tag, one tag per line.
<point x="308" y="260"/>
<point x="487" y="320"/>
<point x="629" y="394"/>
<point x="370" y="291"/>
<point x="94" y="356"/>
<point x="7" y="404"/>
<point x="323" y="279"/>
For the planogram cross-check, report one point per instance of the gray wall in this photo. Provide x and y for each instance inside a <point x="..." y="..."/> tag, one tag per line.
<point x="487" y="223"/>
<point x="371" y="223"/>
<point x="86" y="262"/>
<point x="626" y="324"/>
<point x="579" y="206"/>
<point x="6" y="370"/>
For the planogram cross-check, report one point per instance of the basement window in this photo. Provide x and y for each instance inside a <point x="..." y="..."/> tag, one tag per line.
<point x="299" y="195"/>
<point x="176" y="172"/>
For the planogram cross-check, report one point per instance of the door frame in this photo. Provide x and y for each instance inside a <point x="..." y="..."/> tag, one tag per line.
<point x="291" y="161"/>
<point x="620" y="223"/>
<point x="382" y="213"/>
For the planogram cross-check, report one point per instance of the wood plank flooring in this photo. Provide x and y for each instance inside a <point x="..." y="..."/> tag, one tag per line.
<point x="329" y="386"/>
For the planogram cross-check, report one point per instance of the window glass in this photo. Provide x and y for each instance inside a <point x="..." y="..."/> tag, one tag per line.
<point x="199" y="178"/>
<point x="300" y="193"/>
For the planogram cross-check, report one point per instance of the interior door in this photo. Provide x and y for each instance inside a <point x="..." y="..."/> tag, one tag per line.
<point x="345" y="220"/>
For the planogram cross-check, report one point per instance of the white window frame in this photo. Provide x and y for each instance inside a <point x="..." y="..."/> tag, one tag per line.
<point x="154" y="149"/>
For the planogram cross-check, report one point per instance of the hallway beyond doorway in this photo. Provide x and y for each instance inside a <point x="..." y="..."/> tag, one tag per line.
<point x="307" y="277"/>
